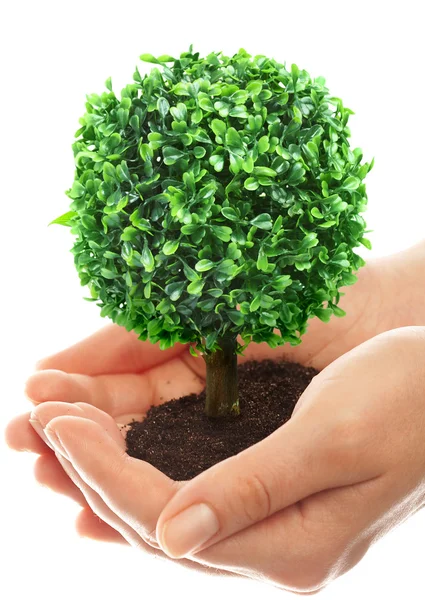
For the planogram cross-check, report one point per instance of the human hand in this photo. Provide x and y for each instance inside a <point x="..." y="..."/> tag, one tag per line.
<point x="101" y="360"/>
<point x="296" y="509"/>
<point x="123" y="376"/>
<point x="304" y="505"/>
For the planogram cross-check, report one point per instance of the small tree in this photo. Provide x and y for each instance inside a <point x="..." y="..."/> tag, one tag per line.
<point x="217" y="198"/>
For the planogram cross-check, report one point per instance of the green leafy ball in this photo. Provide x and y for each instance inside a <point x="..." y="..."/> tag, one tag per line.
<point x="217" y="197"/>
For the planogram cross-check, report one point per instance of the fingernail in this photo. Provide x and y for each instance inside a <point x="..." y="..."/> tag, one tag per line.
<point x="55" y="441"/>
<point x="37" y="426"/>
<point x="188" y="530"/>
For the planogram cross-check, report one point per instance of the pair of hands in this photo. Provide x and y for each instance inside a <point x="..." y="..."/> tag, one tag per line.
<point x="297" y="509"/>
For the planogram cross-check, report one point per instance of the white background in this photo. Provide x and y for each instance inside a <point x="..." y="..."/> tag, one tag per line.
<point x="52" y="54"/>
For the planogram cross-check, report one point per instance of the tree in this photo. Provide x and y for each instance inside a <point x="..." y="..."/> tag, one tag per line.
<point x="217" y="198"/>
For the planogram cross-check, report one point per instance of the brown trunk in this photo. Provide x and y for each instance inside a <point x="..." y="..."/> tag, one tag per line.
<point x="222" y="380"/>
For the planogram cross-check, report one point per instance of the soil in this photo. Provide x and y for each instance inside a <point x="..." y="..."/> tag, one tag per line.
<point x="181" y="441"/>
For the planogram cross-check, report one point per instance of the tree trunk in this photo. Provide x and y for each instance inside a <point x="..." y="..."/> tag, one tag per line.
<point x="222" y="380"/>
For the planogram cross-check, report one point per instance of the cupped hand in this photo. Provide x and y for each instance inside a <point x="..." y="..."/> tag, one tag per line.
<point x="115" y="372"/>
<point x="303" y="506"/>
<point x="83" y="392"/>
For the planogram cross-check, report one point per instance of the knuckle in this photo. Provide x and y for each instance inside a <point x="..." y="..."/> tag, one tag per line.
<point x="253" y="498"/>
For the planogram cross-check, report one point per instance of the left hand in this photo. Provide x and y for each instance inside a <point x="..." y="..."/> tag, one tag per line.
<point x="297" y="509"/>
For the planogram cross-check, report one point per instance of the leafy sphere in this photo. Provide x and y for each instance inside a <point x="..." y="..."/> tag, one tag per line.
<point x="217" y="196"/>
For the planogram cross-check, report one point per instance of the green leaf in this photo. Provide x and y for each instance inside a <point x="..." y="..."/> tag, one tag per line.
<point x="239" y="112"/>
<point x="89" y="222"/>
<point x="149" y="58"/>
<point x="264" y="172"/>
<point x="327" y="224"/>
<point x="193" y="352"/>
<point x="338" y="312"/>
<point x="262" y="221"/>
<point x="222" y="232"/>
<point x="230" y="213"/>
<point x="77" y="190"/>
<point x="163" y="106"/>
<point x="262" y="261"/>
<point x="296" y="174"/>
<point x="351" y="183"/>
<point x="248" y="164"/>
<point x="147" y="259"/>
<point x="171" y="155"/>
<point x="122" y="116"/>
<point x="175" y="290"/>
<point x="236" y="317"/>
<point x="197" y="116"/>
<point x="263" y="144"/>
<point x="324" y="314"/>
<point x="211" y="339"/>
<point x="218" y="127"/>
<point x="66" y="219"/>
<point x="181" y="89"/>
<point x="204" y="102"/>
<point x="195" y="288"/>
<point x="170" y="247"/>
<point x="199" y="152"/>
<point x="217" y="161"/>
<point x="233" y="251"/>
<point x="204" y="265"/>
<point x="255" y="304"/>
<point x="254" y="87"/>
<point x="240" y="97"/>
<point x="281" y="282"/>
<point x="233" y="138"/>
<point x="366" y="243"/>
<point x="190" y="273"/>
<point x="165" y="58"/>
<point x="315" y="212"/>
<point x="179" y="112"/>
<point x="108" y="274"/>
<point x="251" y="184"/>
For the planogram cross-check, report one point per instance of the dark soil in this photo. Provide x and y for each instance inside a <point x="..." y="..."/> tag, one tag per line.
<point x="181" y="441"/>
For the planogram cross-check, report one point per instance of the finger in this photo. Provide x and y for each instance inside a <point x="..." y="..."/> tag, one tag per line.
<point x="118" y="395"/>
<point x="20" y="436"/>
<point x="120" y="480"/>
<point x="49" y="473"/>
<point x="99" y="507"/>
<point x="128" y="501"/>
<point x="111" y="350"/>
<point x="48" y="470"/>
<point x="44" y="413"/>
<point x="89" y="525"/>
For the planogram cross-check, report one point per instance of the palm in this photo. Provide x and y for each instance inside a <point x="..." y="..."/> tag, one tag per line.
<point x="122" y="377"/>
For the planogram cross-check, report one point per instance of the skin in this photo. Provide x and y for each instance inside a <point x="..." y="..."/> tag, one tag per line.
<point x="296" y="510"/>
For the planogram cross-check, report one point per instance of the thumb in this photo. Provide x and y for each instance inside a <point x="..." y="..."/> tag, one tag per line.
<point x="299" y="459"/>
<point x="326" y="444"/>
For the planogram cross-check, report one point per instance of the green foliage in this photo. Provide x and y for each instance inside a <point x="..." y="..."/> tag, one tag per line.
<point x="217" y="196"/>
